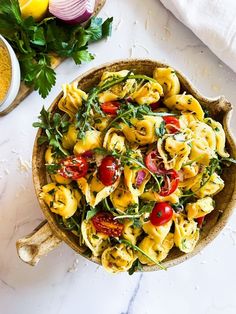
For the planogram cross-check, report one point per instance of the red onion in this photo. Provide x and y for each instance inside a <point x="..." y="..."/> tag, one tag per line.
<point x="141" y="175"/>
<point x="72" y="11"/>
<point x="88" y="154"/>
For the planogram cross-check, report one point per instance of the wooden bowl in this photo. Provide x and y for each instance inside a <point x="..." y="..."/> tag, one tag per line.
<point x="45" y="238"/>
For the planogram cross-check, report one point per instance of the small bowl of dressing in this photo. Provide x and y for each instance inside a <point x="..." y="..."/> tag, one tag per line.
<point x="9" y="75"/>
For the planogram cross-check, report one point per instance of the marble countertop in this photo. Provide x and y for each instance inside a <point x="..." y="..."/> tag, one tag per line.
<point x="64" y="282"/>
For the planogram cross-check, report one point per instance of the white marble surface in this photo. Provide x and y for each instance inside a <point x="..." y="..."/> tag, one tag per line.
<point x="64" y="283"/>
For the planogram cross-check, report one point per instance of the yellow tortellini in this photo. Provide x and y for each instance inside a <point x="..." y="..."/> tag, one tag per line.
<point x="91" y="140"/>
<point x="200" y="208"/>
<point x="220" y="136"/>
<point x="118" y="258"/>
<point x="157" y="252"/>
<point x="114" y="140"/>
<point x="93" y="189"/>
<point x="186" y="233"/>
<point x="185" y="103"/>
<point x="117" y="91"/>
<point x="130" y="232"/>
<point x="173" y="198"/>
<point x="214" y="184"/>
<point x="96" y="241"/>
<point x="142" y="131"/>
<point x="69" y="139"/>
<point x="72" y="99"/>
<point x="62" y="200"/>
<point x="177" y="151"/>
<point x="147" y="94"/>
<point x="158" y="233"/>
<point x="122" y="198"/>
<point x="169" y="81"/>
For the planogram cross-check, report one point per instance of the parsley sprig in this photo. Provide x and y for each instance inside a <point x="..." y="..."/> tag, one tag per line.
<point x="33" y="42"/>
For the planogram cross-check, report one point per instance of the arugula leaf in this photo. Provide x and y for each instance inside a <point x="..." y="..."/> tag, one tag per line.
<point x="161" y="130"/>
<point x="52" y="168"/>
<point x="136" y="266"/>
<point x="92" y="212"/>
<point x="53" y="125"/>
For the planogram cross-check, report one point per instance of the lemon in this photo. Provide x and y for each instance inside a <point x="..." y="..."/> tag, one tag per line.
<point x="35" y="8"/>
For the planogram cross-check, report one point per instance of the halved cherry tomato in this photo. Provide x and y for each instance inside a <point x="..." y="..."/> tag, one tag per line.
<point x="108" y="170"/>
<point x="200" y="221"/>
<point x="104" y="222"/>
<point x="171" y="182"/>
<point x="73" y="167"/>
<point x="161" y="214"/>
<point x="110" y="107"/>
<point x="151" y="161"/>
<point x="172" y="124"/>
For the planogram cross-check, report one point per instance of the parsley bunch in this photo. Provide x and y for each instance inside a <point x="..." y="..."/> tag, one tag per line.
<point x="33" y="42"/>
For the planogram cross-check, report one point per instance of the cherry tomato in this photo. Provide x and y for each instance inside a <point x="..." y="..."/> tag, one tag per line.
<point x="151" y="161"/>
<point x="171" y="182"/>
<point x="73" y="167"/>
<point x="104" y="222"/>
<point x="110" y="107"/>
<point x="108" y="170"/>
<point x="200" y="221"/>
<point x="161" y="214"/>
<point x="172" y="124"/>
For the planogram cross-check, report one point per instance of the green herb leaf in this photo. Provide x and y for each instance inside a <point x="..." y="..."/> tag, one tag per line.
<point x="92" y="212"/>
<point x="161" y="130"/>
<point x="54" y="126"/>
<point x="136" y="266"/>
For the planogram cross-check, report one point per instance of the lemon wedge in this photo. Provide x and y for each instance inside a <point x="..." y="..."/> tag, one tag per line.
<point x="35" y="8"/>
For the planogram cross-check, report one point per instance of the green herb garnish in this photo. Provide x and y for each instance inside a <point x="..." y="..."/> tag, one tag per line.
<point x="53" y="125"/>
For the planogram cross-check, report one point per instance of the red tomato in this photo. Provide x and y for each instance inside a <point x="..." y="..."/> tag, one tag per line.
<point x="108" y="170"/>
<point x="110" y="107"/>
<point x="171" y="182"/>
<point x="200" y="221"/>
<point x="161" y="214"/>
<point x="73" y="167"/>
<point x="104" y="222"/>
<point x="151" y="161"/>
<point x="172" y="124"/>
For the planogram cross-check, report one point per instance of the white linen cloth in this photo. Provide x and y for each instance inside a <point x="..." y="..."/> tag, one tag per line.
<point x="213" y="21"/>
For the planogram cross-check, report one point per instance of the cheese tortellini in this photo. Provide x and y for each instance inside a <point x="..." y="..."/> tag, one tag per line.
<point x="133" y="167"/>
<point x="62" y="200"/>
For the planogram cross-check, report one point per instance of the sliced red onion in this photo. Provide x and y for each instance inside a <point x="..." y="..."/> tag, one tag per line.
<point x="72" y="11"/>
<point x="141" y="175"/>
<point x="88" y="154"/>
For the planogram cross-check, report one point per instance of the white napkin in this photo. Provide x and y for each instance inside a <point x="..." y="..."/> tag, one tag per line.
<point x="213" y="21"/>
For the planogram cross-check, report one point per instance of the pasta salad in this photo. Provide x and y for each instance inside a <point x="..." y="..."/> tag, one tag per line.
<point x="133" y="166"/>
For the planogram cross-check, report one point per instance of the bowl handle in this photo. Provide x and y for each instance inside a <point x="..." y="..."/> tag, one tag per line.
<point x="40" y="242"/>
